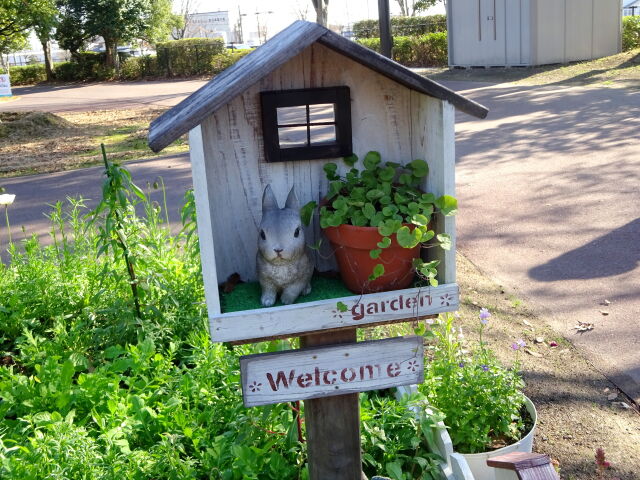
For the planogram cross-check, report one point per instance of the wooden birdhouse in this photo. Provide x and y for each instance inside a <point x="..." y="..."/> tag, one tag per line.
<point x="276" y="117"/>
<point x="339" y="98"/>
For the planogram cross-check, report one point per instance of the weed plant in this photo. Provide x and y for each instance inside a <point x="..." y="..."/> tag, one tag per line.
<point x="90" y="388"/>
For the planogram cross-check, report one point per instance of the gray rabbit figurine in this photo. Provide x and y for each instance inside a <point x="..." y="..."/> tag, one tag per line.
<point x="283" y="264"/>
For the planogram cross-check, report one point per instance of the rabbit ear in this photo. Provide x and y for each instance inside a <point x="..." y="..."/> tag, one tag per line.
<point x="292" y="200"/>
<point x="269" y="201"/>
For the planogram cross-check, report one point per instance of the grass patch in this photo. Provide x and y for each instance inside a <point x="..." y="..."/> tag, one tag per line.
<point x="621" y="70"/>
<point x="35" y="142"/>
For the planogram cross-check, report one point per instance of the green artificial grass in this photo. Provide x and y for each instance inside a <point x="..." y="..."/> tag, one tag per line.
<point x="246" y="296"/>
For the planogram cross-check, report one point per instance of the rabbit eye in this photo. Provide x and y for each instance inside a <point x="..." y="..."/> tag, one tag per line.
<point x="297" y="232"/>
<point x="262" y="235"/>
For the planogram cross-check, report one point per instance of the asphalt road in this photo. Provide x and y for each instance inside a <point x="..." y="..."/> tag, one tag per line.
<point x="101" y="95"/>
<point x="548" y="187"/>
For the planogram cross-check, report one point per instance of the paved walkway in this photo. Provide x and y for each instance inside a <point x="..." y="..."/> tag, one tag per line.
<point x="549" y="192"/>
<point x="548" y="187"/>
<point x="101" y="96"/>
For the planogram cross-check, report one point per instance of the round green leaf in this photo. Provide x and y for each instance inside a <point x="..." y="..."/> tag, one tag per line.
<point x="374" y="194"/>
<point x="351" y="160"/>
<point x="371" y="160"/>
<point x="389" y="210"/>
<point x="407" y="238"/>
<point x="419" y="168"/>
<point x="385" y="242"/>
<point x="419" y="219"/>
<point x="369" y="210"/>
<point x="375" y="253"/>
<point x="445" y="241"/>
<point x="378" y="271"/>
<point x="387" y="173"/>
<point x="447" y="204"/>
<point x="330" y="170"/>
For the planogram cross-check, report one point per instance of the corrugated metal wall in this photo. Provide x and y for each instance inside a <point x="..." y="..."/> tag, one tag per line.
<point x="531" y="32"/>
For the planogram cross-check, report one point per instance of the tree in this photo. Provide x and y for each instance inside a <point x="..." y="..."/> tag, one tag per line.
<point x="117" y="22"/>
<point x="71" y="32"/>
<point x="44" y="21"/>
<point x="162" y="22"/>
<point x="301" y="12"/>
<point x="187" y="7"/>
<point x="322" y="9"/>
<point x="16" y="18"/>
<point x="409" y="8"/>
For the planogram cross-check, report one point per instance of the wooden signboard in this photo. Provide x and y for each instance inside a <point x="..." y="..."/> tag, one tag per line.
<point x="324" y="315"/>
<point x="319" y="372"/>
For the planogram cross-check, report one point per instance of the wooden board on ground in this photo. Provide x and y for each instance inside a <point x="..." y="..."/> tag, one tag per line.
<point x="318" y="372"/>
<point x="325" y="315"/>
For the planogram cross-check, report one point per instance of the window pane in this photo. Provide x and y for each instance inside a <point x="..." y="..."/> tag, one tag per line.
<point x="321" y="112"/>
<point x="289" y="137"/>
<point x="322" y="134"/>
<point x="292" y="115"/>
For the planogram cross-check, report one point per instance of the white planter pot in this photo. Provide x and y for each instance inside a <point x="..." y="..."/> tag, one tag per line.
<point x="473" y="466"/>
<point x="478" y="461"/>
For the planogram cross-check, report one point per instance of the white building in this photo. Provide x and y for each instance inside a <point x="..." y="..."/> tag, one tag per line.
<point x="531" y="32"/>
<point x="209" y="25"/>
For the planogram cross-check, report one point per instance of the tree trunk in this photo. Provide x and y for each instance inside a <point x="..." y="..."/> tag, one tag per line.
<point x="111" y="51"/>
<point x="404" y="8"/>
<point x="48" y="63"/>
<point x="322" y="9"/>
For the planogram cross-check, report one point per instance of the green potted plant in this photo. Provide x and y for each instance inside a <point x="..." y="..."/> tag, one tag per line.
<point x="378" y="219"/>
<point x="486" y="412"/>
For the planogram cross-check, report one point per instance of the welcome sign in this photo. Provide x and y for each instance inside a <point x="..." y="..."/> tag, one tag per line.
<point x="5" y="85"/>
<point x="334" y="370"/>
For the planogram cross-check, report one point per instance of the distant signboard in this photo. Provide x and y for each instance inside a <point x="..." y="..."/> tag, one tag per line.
<point x="5" y="86"/>
<point x="208" y="25"/>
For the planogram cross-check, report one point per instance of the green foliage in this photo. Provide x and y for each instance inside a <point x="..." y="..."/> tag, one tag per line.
<point x="402" y="26"/>
<point x="116" y="21"/>
<point x="88" y="390"/>
<point x="191" y="56"/>
<point x="387" y="196"/>
<point x="161" y="22"/>
<point x="27" y="74"/>
<point x="482" y="401"/>
<point x="394" y="441"/>
<point x="71" y="32"/>
<point x="630" y="32"/>
<point x="17" y="17"/>
<point x="429" y="50"/>
<point x="135" y="68"/>
<point x="89" y="66"/>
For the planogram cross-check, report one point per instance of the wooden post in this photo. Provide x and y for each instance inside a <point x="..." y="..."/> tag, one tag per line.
<point x="384" y="20"/>
<point x="333" y="425"/>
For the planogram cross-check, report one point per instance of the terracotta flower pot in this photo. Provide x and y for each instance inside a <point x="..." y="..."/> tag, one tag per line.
<point x="352" y="245"/>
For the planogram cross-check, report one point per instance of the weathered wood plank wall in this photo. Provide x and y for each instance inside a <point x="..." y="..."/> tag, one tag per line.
<point x="382" y="117"/>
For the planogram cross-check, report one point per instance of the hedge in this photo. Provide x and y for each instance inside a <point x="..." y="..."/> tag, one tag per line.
<point x="428" y="50"/>
<point x="28" y="74"/>
<point x="402" y="26"/>
<point x="190" y="56"/>
<point x="133" y="68"/>
<point x="630" y="33"/>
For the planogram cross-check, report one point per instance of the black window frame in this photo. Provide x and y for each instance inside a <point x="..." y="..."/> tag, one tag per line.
<point x="340" y="97"/>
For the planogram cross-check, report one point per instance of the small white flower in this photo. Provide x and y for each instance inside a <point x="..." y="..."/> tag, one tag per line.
<point x="7" y="199"/>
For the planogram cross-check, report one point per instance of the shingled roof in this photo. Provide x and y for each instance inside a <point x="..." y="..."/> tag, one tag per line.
<point x="274" y="53"/>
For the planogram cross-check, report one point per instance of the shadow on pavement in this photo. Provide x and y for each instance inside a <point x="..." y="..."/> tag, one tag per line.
<point x="598" y="258"/>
